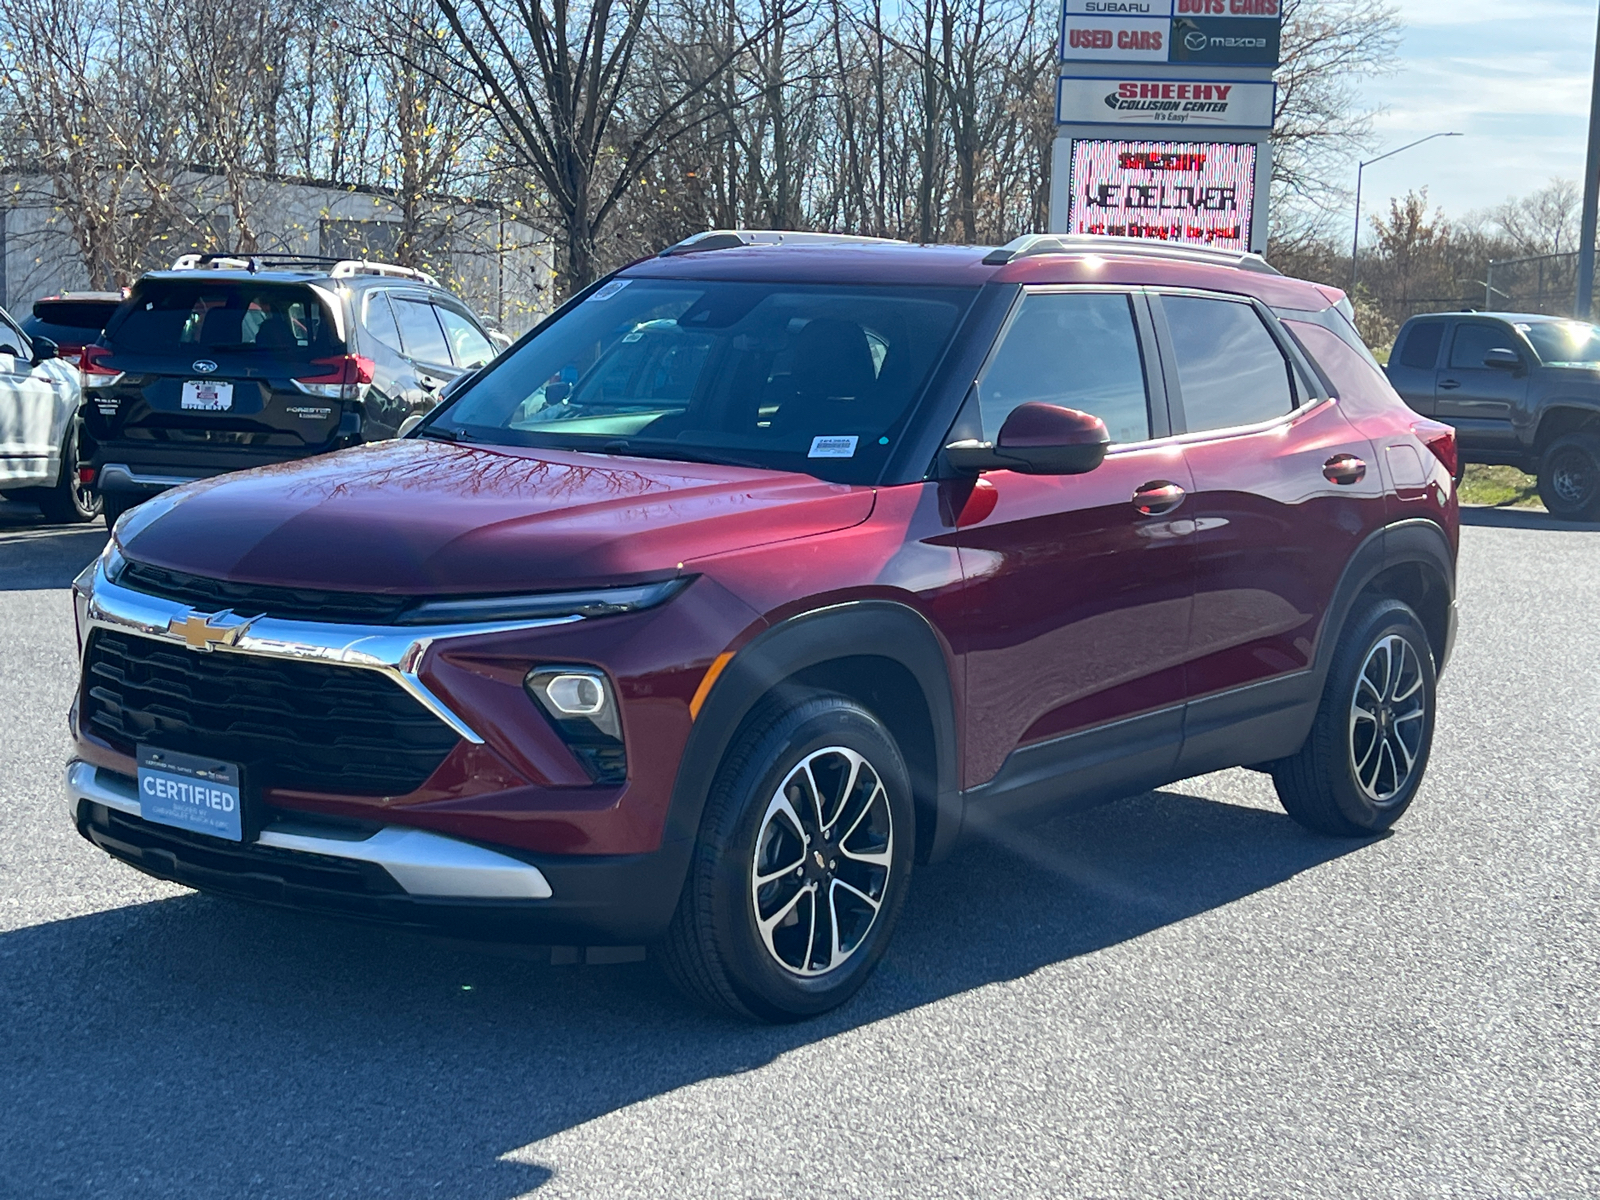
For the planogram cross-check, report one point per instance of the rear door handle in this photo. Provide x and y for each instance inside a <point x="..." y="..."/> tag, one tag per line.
<point x="1344" y="468"/>
<point x="1158" y="497"/>
<point x="1449" y="384"/>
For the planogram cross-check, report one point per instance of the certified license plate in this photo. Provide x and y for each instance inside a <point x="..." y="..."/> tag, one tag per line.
<point x="198" y="794"/>
<point x="207" y="395"/>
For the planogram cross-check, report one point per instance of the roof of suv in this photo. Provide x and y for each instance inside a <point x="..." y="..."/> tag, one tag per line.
<point x="1100" y="260"/>
<point x="1527" y="318"/>
<point x="292" y="268"/>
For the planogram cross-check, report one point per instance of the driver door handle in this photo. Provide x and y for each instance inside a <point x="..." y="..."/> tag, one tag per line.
<point x="1156" y="498"/>
<point x="1449" y="384"/>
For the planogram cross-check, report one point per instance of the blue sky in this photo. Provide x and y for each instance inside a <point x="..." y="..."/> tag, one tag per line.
<point x="1513" y="75"/>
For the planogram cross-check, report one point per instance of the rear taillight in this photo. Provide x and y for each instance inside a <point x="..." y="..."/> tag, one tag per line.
<point x="1441" y="439"/>
<point x="86" y="476"/>
<point x="342" y="377"/>
<point x="93" y="368"/>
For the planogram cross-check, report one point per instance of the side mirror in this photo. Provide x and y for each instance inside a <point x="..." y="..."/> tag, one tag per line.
<point x="43" y="349"/>
<point x="1037" y="439"/>
<point x="409" y="424"/>
<point x="1502" y="359"/>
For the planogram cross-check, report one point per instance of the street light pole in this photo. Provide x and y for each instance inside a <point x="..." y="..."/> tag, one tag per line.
<point x="1591" y="185"/>
<point x="1355" y="242"/>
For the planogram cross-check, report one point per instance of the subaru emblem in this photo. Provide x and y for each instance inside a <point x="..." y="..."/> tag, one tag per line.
<point x="204" y="364"/>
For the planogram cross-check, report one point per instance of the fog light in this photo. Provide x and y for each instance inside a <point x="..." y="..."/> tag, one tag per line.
<point x="576" y="695"/>
<point x="581" y="705"/>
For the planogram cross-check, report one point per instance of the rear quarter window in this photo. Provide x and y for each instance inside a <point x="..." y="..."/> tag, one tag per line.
<point x="1363" y="390"/>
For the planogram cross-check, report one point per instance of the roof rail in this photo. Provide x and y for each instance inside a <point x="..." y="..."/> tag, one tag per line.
<point x="1030" y="244"/>
<point x="727" y="239"/>
<point x="361" y="266"/>
<point x="335" y="267"/>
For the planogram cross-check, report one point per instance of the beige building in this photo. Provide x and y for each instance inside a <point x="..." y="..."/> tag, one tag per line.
<point x="502" y="266"/>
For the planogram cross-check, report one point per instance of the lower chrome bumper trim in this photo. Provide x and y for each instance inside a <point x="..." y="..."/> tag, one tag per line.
<point x="423" y="863"/>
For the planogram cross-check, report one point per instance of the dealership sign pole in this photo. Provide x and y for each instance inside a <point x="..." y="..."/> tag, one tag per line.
<point x="1163" y="113"/>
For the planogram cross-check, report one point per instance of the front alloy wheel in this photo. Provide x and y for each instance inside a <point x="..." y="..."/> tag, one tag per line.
<point x="822" y="861"/>
<point x="801" y="864"/>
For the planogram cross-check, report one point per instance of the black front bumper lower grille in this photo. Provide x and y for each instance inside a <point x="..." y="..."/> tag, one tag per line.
<point x="313" y="727"/>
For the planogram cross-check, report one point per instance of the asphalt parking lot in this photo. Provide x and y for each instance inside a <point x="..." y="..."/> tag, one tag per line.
<point x="1181" y="994"/>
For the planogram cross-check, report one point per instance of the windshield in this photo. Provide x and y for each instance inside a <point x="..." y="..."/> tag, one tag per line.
<point x="234" y="316"/>
<point x="813" y="378"/>
<point x="1563" y="343"/>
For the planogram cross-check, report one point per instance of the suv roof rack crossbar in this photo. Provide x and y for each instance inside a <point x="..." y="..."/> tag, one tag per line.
<point x="1030" y="244"/>
<point x="728" y="239"/>
<point x="225" y="260"/>
<point x="362" y="266"/>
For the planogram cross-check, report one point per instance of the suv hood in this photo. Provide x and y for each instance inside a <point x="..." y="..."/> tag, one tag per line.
<point x="425" y="517"/>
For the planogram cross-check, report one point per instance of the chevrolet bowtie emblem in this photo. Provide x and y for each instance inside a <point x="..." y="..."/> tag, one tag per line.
<point x="201" y="631"/>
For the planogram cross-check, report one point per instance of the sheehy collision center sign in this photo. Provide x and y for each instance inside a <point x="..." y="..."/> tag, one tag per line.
<point x="1172" y="191"/>
<point x="1172" y="100"/>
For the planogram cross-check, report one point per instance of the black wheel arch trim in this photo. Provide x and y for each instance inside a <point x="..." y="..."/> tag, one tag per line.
<point x="1413" y="541"/>
<point x="882" y="629"/>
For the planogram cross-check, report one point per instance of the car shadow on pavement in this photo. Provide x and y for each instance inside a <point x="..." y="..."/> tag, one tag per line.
<point x="198" y="1047"/>
<point x="36" y="554"/>
<point x="1521" y="518"/>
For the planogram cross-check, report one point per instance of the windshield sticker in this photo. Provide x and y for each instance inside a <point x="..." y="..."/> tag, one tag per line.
<point x="833" y="447"/>
<point x="610" y="290"/>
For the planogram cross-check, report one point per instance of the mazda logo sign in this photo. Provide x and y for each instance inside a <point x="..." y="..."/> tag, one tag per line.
<point x="1195" y="41"/>
<point x="204" y="365"/>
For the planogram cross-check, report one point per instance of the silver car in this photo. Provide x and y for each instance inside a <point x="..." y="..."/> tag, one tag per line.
<point x="39" y="395"/>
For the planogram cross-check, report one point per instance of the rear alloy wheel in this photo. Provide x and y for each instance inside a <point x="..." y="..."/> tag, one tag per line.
<point x="801" y="867"/>
<point x="70" y="501"/>
<point x="1569" y="477"/>
<point x="1364" y="759"/>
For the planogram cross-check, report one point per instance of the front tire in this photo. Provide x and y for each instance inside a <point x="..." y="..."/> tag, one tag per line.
<point x="1569" y="477"/>
<point x="801" y="866"/>
<point x="1368" y="748"/>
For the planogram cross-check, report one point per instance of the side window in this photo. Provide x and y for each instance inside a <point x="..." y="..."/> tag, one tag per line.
<point x="1474" y="339"/>
<point x="1230" y="370"/>
<point x="378" y="319"/>
<point x="419" y="330"/>
<point x="470" y="347"/>
<point x="1076" y="349"/>
<point x="1421" y="350"/>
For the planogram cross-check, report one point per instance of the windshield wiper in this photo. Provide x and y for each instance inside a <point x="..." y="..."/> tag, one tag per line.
<point x="676" y="450"/>
<point x="445" y="435"/>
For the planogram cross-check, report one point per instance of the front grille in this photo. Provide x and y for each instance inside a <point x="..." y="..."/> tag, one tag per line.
<point x="252" y="599"/>
<point x="310" y="727"/>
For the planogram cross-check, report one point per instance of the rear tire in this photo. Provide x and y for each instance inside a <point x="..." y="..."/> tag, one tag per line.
<point x="69" y="502"/>
<point x="1569" y="477"/>
<point x="114" y="505"/>
<point x="1365" y="757"/>
<point x="801" y="866"/>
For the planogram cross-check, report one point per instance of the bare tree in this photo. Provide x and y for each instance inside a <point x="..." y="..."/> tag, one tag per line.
<point x="1329" y="47"/>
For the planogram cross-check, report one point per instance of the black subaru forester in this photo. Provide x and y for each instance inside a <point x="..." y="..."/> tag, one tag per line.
<point x="229" y="362"/>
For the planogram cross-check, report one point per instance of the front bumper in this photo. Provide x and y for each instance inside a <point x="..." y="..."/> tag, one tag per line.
<point x="394" y="875"/>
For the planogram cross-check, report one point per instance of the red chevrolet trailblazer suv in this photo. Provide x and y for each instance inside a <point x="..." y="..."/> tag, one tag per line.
<point x="766" y="568"/>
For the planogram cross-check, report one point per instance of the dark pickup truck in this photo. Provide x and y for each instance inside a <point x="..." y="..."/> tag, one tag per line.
<point x="1521" y="389"/>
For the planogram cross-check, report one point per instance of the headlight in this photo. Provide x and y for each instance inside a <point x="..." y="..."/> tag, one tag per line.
<point x="582" y="706"/>
<point x="599" y="602"/>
